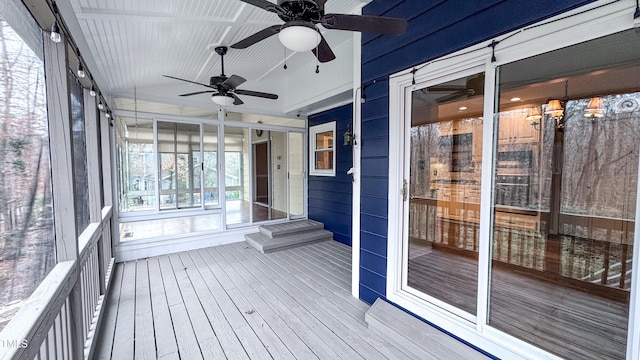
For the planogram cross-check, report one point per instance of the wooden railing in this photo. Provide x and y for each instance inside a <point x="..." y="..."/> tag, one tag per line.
<point x="60" y="318"/>
<point x="589" y="249"/>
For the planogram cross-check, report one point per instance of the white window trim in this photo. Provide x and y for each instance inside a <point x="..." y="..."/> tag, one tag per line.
<point x="313" y="130"/>
<point x="530" y="41"/>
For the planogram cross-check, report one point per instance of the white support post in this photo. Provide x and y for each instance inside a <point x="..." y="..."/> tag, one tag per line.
<point x="60" y="135"/>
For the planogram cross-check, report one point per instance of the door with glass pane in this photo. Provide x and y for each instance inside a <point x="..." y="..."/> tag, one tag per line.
<point x="566" y="178"/>
<point x="444" y="153"/>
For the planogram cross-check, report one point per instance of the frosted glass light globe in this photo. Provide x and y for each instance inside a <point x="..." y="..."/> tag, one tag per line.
<point x="299" y="38"/>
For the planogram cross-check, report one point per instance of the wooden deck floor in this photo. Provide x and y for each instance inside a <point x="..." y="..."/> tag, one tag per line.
<point x="231" y="302"/>
<point x="570" y="323"/>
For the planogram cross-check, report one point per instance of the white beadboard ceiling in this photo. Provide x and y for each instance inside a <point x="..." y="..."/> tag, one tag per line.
<point x="134" y="42"/>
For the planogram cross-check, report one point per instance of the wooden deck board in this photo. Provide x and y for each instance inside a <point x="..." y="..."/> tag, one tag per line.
<point x="232" y="302"/>
<point x="124" y="334"/>
<point x="188" y="347"/>
<point x="272" y="321"/>
<point x="165" y="338"/>
<point x="103" y="347"/>
<point x="145" y="343"/>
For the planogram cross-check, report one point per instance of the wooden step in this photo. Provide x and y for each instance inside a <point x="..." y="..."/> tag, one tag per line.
<point x="290" y="227"/>
<point x="415" y="336"/>
<point x="266" y="244"/>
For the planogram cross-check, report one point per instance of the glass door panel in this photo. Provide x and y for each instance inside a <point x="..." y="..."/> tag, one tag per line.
<point x="237" y="184"/>
<point x="296" y="174"/>
<point x="278" y="176"/>
<point x="565" y="198"/>
<point x="444" y="187"/>
<point x="179" y="165"/>
<point x="210" y="165"/>
<point x="166" y="164"/>
<point x="189" y="165"/>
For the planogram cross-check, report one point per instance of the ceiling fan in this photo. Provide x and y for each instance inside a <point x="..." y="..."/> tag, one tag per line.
<point x="474" y="85"/>
<point x="299" y="31"/>
<point x="224" y="88"/>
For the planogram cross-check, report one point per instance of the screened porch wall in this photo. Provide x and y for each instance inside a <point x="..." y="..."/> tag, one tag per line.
<point x="435" y="29"/>
<point x="330" y="198"/>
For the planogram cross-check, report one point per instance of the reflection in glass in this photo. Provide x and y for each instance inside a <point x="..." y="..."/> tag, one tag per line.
<point x="324" y="150"/>
<point x="136" y="164"/>
<point x="236" y="159"/>
<point x="27" y="237"/>
<point x="79" y="148"/>
<point x="564" y="206"/>
<point x="444" y="188"/>
<point x="180" y="165"/>
<point x="210" y="165"/>
<point x="296" y="174"/>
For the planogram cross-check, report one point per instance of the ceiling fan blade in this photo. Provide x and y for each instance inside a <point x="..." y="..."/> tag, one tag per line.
<point x="234" y="81"/>
<point x="257" y="94"/>
<point x="263" y="4"/>
<point x="189" y="81"/>
<point x="237" y="100"/>
<point x="321" y="3"/>
<point x="454" y="96"/>
<point x="446" y="88"/>
<point x="257" y="37"/>
<point x="323" y="52"/>
<point x="197" y="93"/>
<point x="366" y="23"/>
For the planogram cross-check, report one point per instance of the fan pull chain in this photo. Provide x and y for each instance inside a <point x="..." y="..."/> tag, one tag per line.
<point x="285" y="57"/>
<point x="318" y="59"/>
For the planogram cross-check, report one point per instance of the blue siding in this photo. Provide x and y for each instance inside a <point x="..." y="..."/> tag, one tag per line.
<point x="436" y="28"/>
<point x="331" y="198"/>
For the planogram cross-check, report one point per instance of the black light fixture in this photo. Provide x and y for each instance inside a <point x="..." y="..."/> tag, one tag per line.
<point x="348" y="136"/>
<point x="555" y="108"/>
<point x="55" y="33"/>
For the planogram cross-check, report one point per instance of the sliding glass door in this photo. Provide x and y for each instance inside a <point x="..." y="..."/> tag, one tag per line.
<point x="549" y="267"/>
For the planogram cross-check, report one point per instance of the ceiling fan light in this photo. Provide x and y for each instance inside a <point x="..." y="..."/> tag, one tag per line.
<point x="222" y="100"/>
<point x="300" y="37"/>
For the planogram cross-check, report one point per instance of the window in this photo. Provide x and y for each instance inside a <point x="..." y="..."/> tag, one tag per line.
<point x="27" y="246"/>
<point x="321" y="149"/>
<point x="80" y="175"/>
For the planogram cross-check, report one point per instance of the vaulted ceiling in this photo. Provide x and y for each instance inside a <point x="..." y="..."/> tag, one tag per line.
<point x="128" y="46"/>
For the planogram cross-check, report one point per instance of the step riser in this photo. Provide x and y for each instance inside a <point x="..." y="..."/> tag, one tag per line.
<point x="291" y="228"/>
<point x="287" y="235"/>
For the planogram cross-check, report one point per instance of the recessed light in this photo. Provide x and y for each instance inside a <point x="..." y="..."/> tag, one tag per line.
<point x="515" y="99"/>
<point x="462" y="108"/>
